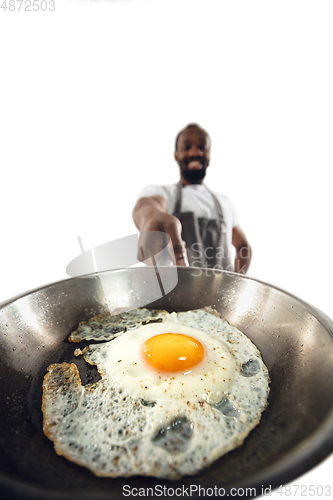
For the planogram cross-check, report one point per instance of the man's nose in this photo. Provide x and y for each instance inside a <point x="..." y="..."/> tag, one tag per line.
<point x="194" y="151"/>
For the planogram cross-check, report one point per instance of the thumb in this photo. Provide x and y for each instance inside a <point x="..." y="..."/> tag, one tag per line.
<point x="181" y="254"/>
<point x="179" y="247"/>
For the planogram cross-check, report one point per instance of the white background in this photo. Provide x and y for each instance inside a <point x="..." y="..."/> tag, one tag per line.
<point x="94" y="93"/>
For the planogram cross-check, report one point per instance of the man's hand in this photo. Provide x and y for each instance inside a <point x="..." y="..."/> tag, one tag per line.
<point x="243" y="250"/>
<point x="150" y="214"/>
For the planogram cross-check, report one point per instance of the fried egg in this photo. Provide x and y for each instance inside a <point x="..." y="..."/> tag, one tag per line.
<point x="177" y="391"/>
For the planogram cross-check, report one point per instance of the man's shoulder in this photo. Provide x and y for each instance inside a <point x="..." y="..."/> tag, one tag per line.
<point x="157" y="189"/>
<point x="168" y="192"/>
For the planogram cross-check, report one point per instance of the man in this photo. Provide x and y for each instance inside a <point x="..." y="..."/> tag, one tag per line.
<point x="202" y="225"/>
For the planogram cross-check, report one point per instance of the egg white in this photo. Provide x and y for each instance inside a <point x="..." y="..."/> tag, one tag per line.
<point x="122" y="361"/>
<point x="116" y="427"/>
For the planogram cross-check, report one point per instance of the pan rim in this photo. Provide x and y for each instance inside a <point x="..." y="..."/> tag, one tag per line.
<point x="315" y="448"/>
<point x="313" y="309"/>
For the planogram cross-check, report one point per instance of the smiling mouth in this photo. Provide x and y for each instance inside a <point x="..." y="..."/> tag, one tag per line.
<point x="194" y="165"/>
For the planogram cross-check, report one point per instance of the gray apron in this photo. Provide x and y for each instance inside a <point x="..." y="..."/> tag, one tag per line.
<point x="206" y="239"/>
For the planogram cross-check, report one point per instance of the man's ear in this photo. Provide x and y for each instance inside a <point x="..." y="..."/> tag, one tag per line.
<point x="175" y="155"/>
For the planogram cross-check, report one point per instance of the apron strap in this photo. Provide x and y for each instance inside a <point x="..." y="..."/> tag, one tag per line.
<point x="178" y="199"/>
<point x="201" y="233"/>
<point x="222" y="226"/>
<point x="220" y="216"/>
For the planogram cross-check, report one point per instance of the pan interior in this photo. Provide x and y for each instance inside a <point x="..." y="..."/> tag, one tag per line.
<point x="295" y="342"/>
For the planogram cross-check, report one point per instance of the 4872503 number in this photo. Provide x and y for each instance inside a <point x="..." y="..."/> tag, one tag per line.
<point x="305" y="490"/>
<point x="27" y="5"/>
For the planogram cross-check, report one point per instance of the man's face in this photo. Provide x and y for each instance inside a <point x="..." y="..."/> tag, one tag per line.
<point x="193" y="154"/>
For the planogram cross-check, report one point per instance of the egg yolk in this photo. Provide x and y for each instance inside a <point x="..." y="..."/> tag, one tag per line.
<point x="172" y="352"/>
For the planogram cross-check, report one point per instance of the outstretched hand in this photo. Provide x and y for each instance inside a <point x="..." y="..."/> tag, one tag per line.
<point x="152" y="241"/>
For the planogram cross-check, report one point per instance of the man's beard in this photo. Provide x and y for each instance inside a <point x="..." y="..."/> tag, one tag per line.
<point x="194" y="176"/>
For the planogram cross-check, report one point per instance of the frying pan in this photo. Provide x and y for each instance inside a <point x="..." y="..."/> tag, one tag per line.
<point x="295" y="339"/>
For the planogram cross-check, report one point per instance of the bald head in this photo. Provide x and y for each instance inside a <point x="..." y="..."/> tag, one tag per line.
<point x="193" y="126"/>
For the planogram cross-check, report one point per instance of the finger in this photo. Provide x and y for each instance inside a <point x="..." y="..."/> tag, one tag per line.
<point x="179" y="247"/>
<point x="181" y="255"/>
<point x="181" y="259"/>
<point x="151" y="245"/>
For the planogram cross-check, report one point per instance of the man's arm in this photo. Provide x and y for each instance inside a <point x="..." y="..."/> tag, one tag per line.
<point x="243" y="250"/>
<point x="150" y="214"/>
